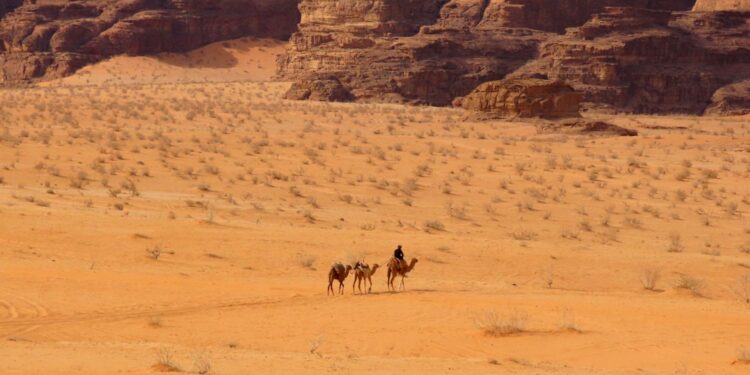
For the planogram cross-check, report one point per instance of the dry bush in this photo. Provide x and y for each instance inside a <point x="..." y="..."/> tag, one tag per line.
<point x="692" y="284"/>
<point x="493" y="324"/>
<point x="524" y="235"/>
<point x="649" y="278"/>
<point x="675" y="243"/>
<point x="742" y="289"/>
<point x="433" y="225"/>
<point x="315" y="345"/>
<point x="743" y="355"/>
<point x="306" y="261"/>
<point x="201" y="363"/>
<point x="456" y="212"/>
<point x="568" y="322"/>
<point x="569" y="234"/>
<point x="165" y="361"/>
<point x="633" y="222"/>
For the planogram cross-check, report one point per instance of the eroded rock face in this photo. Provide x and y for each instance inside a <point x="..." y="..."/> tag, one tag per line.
<point x="644" y="56"/>
<point x="53" y="39"/>
<point x="649" y="61"/>
<point x="529" y="97"/>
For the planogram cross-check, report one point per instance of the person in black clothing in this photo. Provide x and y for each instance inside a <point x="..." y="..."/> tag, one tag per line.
<point x="399" y="254"/>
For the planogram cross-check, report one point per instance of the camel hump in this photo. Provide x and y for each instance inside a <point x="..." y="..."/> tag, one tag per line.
<point x="362" y="266"/>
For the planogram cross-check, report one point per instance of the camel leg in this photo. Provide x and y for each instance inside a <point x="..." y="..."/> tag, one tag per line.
<point x="388" y="280"/>
<point x="369" y="289"/>
<point x="354" y="283"/>
<point x="359" y="285"/>
<point x="403" y="287"/>
<point x="330" y="288"/>
<point x="341" y="287"/>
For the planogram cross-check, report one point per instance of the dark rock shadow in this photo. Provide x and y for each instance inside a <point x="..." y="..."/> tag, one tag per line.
<point x="217" y="58"/>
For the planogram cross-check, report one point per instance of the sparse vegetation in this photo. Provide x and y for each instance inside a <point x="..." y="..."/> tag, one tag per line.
<point x="691" y="284"/>
<point x="493" y="324"/>
<point x="649" y="278"/>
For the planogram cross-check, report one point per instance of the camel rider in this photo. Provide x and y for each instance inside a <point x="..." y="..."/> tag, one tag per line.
<point x="399" y="254"/>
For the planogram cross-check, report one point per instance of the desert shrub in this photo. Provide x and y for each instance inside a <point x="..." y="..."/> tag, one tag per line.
<point x="524" y="235"/>
<point x="306" y="261"/>
<point x="675" y="243"/>
<point x="690" y="283"/>
<point x="201" y="363"/>
<point x="433" y="225"/>
<point x="493" y="324"/>
<point x="743" y="355"/>
<point x="165" y="360"/>
<point x="649" y="278"/>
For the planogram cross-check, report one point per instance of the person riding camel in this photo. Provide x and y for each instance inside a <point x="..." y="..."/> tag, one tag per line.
<point x="399" y="255"/>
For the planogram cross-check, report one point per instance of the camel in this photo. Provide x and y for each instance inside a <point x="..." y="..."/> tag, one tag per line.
<point x="363" y="272"/>
<point x="337" y="272"/>
<point x="396" y="268"/>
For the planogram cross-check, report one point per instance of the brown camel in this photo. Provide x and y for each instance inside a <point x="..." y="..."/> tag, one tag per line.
<point x="337" y="272"/>
<point x="396" y="268"/>
<point x="363" y="272"/>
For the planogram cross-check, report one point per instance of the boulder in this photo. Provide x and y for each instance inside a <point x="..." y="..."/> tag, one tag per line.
<point x="731" y="100"/>
<point x="327" y="89"/>
<point x="528" y="97"/>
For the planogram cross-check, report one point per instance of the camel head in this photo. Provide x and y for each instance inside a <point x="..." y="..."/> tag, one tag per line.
<point x="412" y="263"/>
<point x="374" y="268"/>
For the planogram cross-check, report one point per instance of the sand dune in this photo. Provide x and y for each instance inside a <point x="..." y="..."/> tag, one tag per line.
<point x="245" y="59"/>
<point x="148" y="222"/>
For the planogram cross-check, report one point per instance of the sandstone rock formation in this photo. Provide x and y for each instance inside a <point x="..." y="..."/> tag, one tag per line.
<point x="732" y="100"/>
<point x="523" y="98"/>
<point x="328" y="89"/>
<point x="643" y="56"/>
<point x="48" y="38"/>
<point x="649" y="61"/>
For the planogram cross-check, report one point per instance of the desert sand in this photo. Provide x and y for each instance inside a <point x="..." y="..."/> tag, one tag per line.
<point x="174" y="213"/>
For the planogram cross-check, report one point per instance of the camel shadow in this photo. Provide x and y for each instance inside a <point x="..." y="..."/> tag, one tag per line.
<point x="387" y="292"/>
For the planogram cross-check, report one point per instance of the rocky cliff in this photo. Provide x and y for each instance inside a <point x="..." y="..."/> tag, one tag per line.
<point x="649" y="56"/>
<point x="649" y="61"/>
<point x="53" y="38"/>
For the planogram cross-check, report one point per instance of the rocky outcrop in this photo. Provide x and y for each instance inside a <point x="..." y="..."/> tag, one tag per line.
<point x="523" y="98"/>
<point x="327" y="89"/>
<point x="649" y="61"/>
<point x="644" y="56"/>
<point x="733" y="100"/>
<point x="52" y="39"/>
